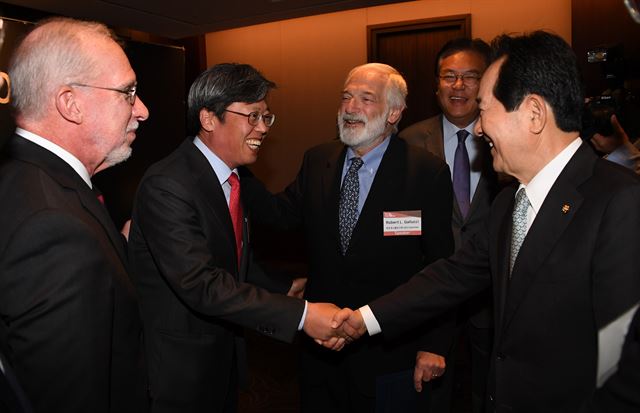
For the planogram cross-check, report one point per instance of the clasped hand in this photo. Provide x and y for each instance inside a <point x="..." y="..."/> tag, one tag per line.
<point x="333" y="327"/>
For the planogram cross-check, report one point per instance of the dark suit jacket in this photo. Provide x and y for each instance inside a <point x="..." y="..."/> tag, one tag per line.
<point x="427" y="134"/>
<point x="407" y="179"/>
<point x="66" y="300"/>
<point x="193" y="296"/>
<point x="12" y="397"/>
<point x="576" y="271"/>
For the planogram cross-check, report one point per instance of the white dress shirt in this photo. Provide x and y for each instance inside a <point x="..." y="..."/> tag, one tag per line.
<point x="536" y="191"/>
<point x="59" y="152"/>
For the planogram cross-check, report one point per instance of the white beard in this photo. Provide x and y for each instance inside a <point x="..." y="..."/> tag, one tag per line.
<point x="118" y="155"/>
<point x="361" y="137"/>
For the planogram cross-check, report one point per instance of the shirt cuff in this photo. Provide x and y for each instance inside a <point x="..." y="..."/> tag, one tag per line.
<point x="373" y="327"/>
<point x="304" y="315"/>
<point x="622" y="156"/>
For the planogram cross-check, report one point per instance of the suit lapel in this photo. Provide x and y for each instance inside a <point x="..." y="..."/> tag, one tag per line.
<point x="434" y="143"/>
<point x="434" y="137"/>
<point x="386" y="186"/>
<point x="69" y="179"/>
<point x="90" y="202"/>
<point x="501" y="259"/>
<point x="560" y="206"/>
<point x="210" y="190"/>
<point x="331" y="181"/>
<point x="486" y="176"/>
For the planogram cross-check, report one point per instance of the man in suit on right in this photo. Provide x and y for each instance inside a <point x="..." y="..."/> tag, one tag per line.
<point x="459" y="66"/>
<point x="559" y="249"/>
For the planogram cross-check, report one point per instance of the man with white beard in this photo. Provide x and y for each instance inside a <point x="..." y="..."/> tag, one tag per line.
<point x="373" y="211"/>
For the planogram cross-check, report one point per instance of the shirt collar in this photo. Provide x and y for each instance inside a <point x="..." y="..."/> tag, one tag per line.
<point x="220" y="168"/>
<point x="449" y="130"/>
<point x="539" y="187"/>
<point x="61" y="153"/>
<point x="374" y="156"/>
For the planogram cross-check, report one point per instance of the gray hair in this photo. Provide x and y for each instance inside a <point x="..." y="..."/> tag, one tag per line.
<point x="396" y="87"/>
<point x="53" y="54"/>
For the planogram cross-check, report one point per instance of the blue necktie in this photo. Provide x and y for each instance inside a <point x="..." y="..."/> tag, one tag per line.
<point x="461" y="171"/>
<point x="348" y="212"/>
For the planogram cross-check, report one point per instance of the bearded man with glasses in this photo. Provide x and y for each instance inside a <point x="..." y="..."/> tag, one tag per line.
<point x="372" y="210"/>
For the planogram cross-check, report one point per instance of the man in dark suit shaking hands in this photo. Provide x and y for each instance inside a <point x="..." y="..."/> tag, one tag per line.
<point x="459" y="66"/>
<point x="559" y="248"/>
<point x="67" y="304"/>
<point x="373" y="210"/>
<point x="189" y="248"/>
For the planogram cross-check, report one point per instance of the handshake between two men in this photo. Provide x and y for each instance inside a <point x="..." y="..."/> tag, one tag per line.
<point x="333" y="327"/>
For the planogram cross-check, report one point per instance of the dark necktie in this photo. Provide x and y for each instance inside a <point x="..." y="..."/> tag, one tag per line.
<point x="348" y="212"/>
<point x="519" y="226"/>
<point x="461" y="170"/>
<point x="235" y="209"/>
<point x="98" y="193"/>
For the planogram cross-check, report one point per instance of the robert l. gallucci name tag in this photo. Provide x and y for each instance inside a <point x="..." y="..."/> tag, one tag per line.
<point x="398" y="223"/>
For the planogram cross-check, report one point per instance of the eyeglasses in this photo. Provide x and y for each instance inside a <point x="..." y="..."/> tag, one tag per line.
<point x="469" y="79"/>
<point x="129" y="91"/>
<point x="255" y="117"/>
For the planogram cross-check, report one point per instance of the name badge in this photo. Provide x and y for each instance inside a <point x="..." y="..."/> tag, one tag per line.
<point x="400" y="223"/>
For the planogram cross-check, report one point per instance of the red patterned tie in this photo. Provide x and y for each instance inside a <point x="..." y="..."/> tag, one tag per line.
<point x="235" y="209"/>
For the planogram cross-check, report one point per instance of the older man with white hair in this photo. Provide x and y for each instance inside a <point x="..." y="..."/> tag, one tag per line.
<point x="373" y="211"/>
<point x="68" y="310"/>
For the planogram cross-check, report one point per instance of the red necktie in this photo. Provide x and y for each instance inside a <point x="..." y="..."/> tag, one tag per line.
<point x="235" y="209"/>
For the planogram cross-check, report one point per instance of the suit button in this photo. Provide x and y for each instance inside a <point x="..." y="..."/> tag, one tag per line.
<point x="491" y="397"/>
<point x="463" y="228"/>
<point x="500" y="357"/>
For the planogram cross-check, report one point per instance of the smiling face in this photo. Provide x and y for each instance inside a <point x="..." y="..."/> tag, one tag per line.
<point x="364" y="118"/>
<point x="506" y="132"/>
<point x="457" y="100"/>
<point x="234" y="140"/>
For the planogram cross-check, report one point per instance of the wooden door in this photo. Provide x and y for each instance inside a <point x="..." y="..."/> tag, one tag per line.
<point x="411" y="47"/>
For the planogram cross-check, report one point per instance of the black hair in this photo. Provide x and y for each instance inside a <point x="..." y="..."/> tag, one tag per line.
<point x="463" y="44"/>
<point x="540" y="63"/>
<point x="221" y="85"/>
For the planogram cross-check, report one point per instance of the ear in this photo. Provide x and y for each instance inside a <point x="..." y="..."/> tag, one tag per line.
<point x="394" y="115"/>
<point x="208" y="120"/>
<point x="68" y="105"/>
<point x="538" y="111"/>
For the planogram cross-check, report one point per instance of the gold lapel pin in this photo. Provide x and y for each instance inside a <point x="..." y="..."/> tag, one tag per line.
<point x="565" y="208"/>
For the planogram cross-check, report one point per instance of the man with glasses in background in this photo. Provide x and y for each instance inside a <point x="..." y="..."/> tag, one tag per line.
<point x="189" y="248"/>
<point x="459" y="66"/>
<point x="69" y="318"/>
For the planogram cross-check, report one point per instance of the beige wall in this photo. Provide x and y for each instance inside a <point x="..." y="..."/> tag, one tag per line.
<point x="309" y="57"/>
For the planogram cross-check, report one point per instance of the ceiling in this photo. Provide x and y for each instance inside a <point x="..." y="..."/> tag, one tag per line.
<point x="176" y="19"/>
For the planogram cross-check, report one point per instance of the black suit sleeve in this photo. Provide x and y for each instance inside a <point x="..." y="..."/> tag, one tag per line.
<point x="437" y="288"/>
<point x="437" y="242"/>
<point x="196" y="266"/>
<point x="283" y="211"/>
